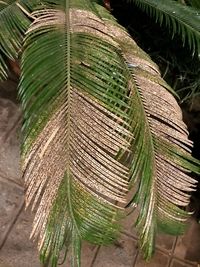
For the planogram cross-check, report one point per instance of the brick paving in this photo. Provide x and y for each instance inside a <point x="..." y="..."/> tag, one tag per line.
<point x="16" y="250"/>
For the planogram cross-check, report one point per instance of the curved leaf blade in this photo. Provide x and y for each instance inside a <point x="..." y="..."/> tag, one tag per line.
<point x="161" y="149"/>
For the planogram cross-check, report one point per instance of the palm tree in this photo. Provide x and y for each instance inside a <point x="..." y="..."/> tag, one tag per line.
<point x="99" y="123"/>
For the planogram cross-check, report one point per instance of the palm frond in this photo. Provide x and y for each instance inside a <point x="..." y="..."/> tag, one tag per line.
<point x="161" y="158"/>
<point x="98" y="120"/>
<point x="74" y="95"/>
<point x="14" y="23"/>
<point x="179" y="19"/>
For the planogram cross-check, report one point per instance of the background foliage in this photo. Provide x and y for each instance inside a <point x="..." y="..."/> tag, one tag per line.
<point x="177" y="64"/>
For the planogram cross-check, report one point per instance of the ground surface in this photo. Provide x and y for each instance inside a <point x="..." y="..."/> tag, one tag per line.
<point x="16" y="250"/>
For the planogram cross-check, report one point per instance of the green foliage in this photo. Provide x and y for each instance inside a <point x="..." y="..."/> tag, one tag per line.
<point x="98" y="122"/>
<point x="177" y="66"/>
<point x="179" y="19"/>
<point x="194" y="3"/>
<point x="14" y="23"/>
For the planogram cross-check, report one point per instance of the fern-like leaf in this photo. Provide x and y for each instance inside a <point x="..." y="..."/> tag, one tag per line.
<point x="179" y="19"/>
<point x="74" y="94"/>
<point x="161" y="149"/>
<point x="14" y="23"/>
<point x="98" y="120"/>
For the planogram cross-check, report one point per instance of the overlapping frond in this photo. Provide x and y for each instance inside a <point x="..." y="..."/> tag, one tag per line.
<point x="98" y="120"/>
<point x="179" y="19"/>
<point x="161" y="149"/>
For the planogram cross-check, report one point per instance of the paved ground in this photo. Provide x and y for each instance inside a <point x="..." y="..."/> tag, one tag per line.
<point x="16" y="250"/>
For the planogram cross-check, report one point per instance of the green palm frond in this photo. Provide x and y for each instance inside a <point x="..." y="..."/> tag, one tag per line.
<point x="3" y="68"/>
<point x="179" y="19"/>
<point x="14" y="23"/>
<point x="98" y="120"/>
<point x="74" y="93"/>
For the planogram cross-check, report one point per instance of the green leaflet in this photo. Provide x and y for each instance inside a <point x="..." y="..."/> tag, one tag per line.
<point x="3" y="68"/>
<point x="78" y="213"/>
<point x="179" y="19"/>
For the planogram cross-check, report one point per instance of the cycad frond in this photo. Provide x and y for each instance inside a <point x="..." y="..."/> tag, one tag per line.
<point x="14" y="23"/>
<point x="75" y="98"/>
<point x="98" y="117"/>
<point x="179" y="19"/>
